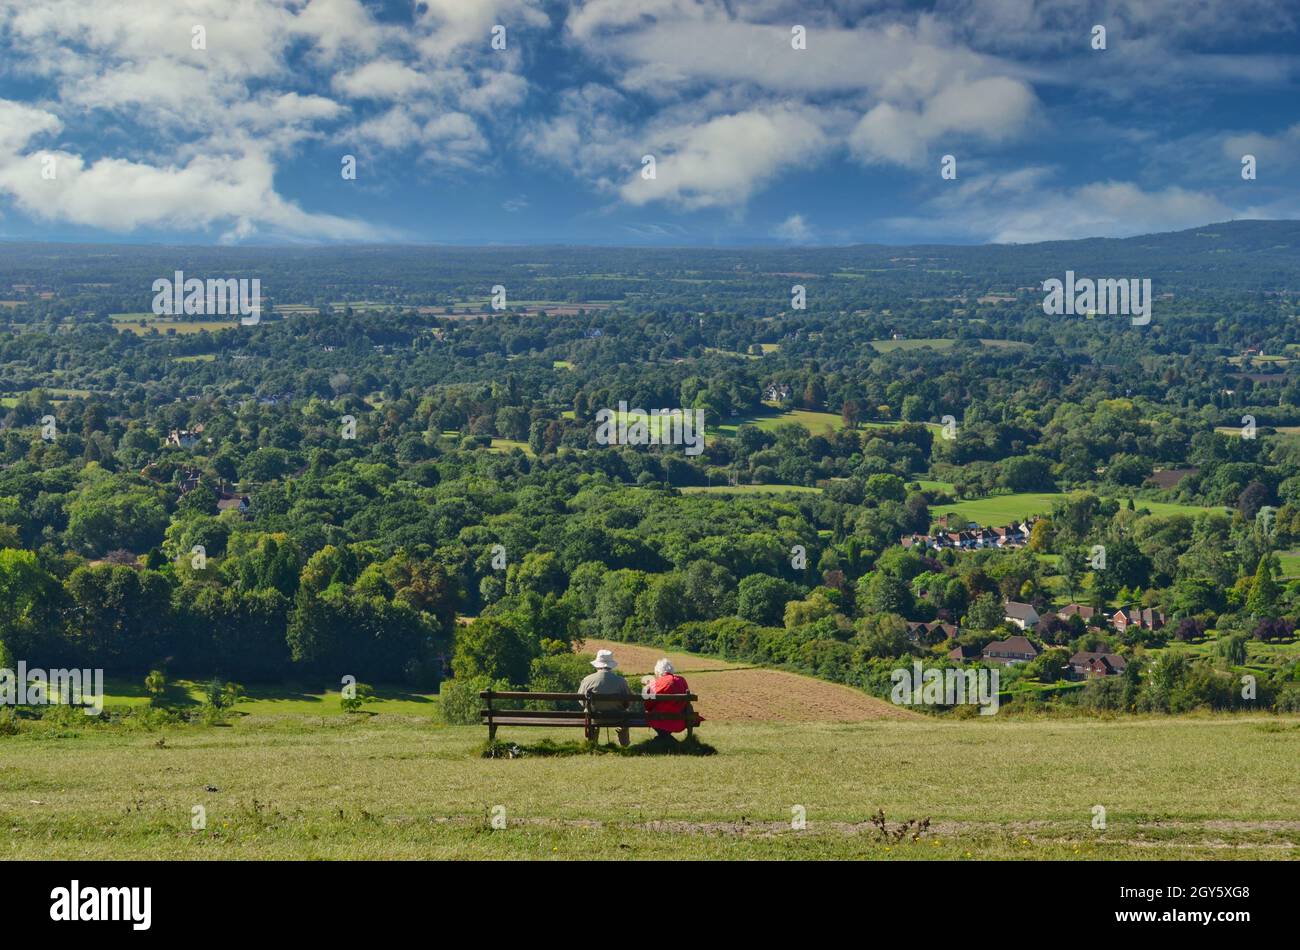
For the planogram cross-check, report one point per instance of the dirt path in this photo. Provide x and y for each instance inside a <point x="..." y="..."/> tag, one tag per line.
<point x="734" y="692"/>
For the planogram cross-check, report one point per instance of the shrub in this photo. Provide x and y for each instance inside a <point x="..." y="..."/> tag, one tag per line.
<point x="460" y="700"/>
<point x="352" y="700"/>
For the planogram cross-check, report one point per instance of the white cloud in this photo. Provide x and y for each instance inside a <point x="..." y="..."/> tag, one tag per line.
<point x="793" y="229"/>
<point x="380" y="79"/>
<point x="1281" y="150"/>
<point x="1023" y="208"/>
<point x="725" y="160"/>
<point x="993" y="109"/>
<point x="233" y="190"/>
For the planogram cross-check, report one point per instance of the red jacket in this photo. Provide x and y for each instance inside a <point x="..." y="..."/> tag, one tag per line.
<point x="667" y="685"/>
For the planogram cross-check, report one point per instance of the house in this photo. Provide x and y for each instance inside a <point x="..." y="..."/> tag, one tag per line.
<point x="185" y="438"/>
<point x="1010" y="536"/>
<point x="229" y="502"/>
<point x="961" y="652"/>
<point x="777" y="392"/>
<point x="969" y="536"/>
<point x="1084" y="664"/>
<point x="1082" y="611"/>
<point x="931" y="632"/>
<point x="1010" y="651"/>
<point x="1022" y="615"/>
<point x="1143" y="618"/>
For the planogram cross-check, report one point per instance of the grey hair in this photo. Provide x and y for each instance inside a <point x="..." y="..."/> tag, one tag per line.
<point x="663" y="666"/>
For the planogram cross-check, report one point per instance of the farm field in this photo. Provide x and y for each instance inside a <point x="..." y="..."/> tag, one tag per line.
<point x="1000" y="509"/>
<point x="361" y="787"/>
<point x="731" y="692"/>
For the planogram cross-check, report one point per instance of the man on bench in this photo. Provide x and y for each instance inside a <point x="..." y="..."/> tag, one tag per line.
<point x="605" y="682"/>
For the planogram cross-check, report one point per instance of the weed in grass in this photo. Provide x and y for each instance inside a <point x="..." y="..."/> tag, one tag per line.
<point x="549" y="748"/>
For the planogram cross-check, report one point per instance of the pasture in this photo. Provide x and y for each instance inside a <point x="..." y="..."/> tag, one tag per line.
<point x="1001" y="509"/>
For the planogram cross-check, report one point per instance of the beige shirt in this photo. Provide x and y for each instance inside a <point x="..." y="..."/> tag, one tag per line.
<point x="607" y="682"/>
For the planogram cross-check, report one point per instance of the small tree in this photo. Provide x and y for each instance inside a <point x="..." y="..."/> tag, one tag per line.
<point x="1233" y="648"/>
<point x="155" y="684"/>
<point x="352" y="699"/>
<point x="1264" y="592"/>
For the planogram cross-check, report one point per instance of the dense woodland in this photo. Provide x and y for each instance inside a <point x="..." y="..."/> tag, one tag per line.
<point x="475" y="446"/>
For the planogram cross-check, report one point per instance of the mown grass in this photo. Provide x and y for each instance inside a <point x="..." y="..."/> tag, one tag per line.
<point x="397" y="787"/>
<point x="1000" y="509"/>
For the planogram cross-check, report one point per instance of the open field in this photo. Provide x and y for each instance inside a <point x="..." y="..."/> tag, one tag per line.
<point x="731" y="692"/>
<point x="509" y="445"/>
<point x="141" y="323"/>
<point x="1000" y="509"/>
<point x="363" y="787"/>
<point x="817" y="423"/>
<point x="939" y="343"/>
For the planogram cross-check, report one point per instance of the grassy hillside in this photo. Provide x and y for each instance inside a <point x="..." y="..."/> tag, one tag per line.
<point x="394" y="787"/>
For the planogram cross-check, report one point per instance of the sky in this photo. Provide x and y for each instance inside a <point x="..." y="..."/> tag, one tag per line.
<point x="769" y="122"/>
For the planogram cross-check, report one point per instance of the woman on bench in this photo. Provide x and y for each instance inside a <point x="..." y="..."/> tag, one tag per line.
<point x="660" y="712"/>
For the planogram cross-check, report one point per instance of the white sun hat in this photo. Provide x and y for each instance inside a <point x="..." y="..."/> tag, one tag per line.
<point x="604" y="660"/>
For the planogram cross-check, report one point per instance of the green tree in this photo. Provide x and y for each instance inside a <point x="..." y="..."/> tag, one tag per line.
<point x="1264" y="591"/>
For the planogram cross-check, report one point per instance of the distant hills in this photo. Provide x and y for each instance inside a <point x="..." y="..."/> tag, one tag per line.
<point x="1234" y="255"/>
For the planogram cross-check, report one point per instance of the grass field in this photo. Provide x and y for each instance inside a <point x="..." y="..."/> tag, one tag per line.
<point x="292" y="776"/>
<point x="1000" y="509"/>
<point x="508" y="445"/>
<point x="141" y="323"/>
<point x="817" y="423"/>
<point x="939" y="343"/>
<point x="363" y="787"/>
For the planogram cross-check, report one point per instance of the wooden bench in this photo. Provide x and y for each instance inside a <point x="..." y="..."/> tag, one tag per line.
<point x="591" y="721"/>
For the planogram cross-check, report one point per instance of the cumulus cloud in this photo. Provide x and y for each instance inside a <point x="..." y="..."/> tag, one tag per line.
<point x="723" y="161"/>
<point x="712" y="88"/>
<point x="209" y="128"/>
<point x="793" y="229"/>
<point x="234" y="190"/>
<point x="992" y="109"/>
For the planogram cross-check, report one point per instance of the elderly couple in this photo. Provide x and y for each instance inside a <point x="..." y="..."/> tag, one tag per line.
<point x="664" y="716"/>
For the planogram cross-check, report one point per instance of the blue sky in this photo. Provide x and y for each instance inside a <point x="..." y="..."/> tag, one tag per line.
<point x="114" y="127"/>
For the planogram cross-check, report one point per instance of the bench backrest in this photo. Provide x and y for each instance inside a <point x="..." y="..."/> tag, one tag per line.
<point x="489" y="695"/>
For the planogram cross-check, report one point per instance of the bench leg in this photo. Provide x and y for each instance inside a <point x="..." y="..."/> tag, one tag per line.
<point x="492" y="732"/>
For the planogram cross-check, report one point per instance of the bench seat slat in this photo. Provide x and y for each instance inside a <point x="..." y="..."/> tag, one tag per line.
<point x="636" y="720"/>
